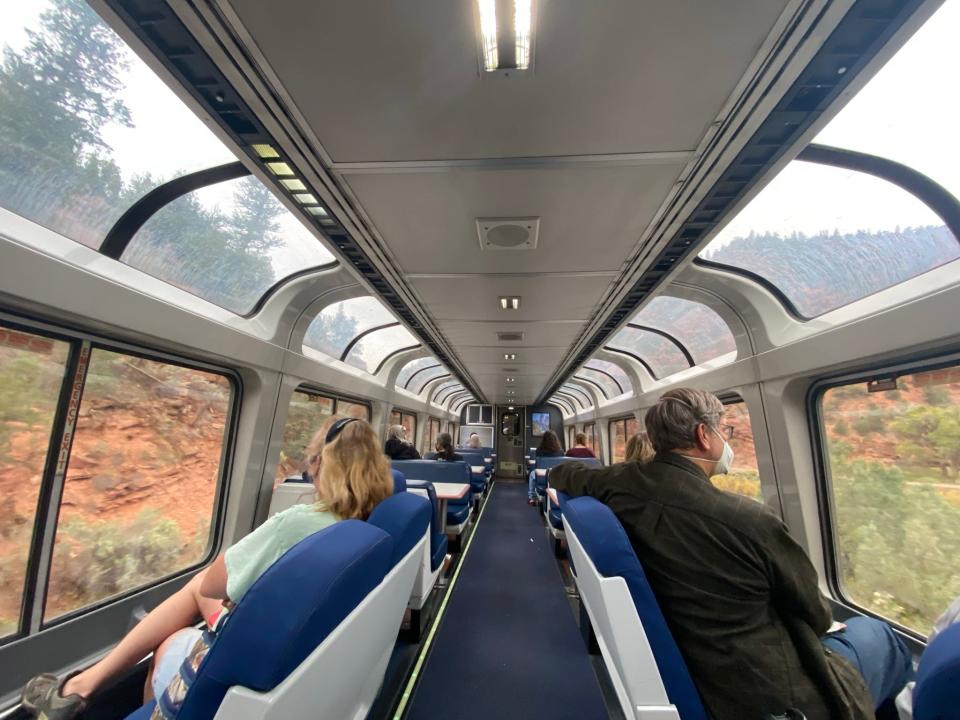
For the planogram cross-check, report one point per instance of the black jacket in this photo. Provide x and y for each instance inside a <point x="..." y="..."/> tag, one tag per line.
<point x="396" y="449"/>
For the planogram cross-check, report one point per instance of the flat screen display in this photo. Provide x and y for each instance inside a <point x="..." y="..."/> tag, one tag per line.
<point x="540" y="422"/>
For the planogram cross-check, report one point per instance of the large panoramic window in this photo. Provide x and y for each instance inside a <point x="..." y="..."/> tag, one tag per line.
<point x="698" y="328"/>
<point x="338" y="324"/>
<point x="744" y="476"/>
<point x="415" y="366"/>
<point x="371" y="350"/>
<point x="661" y="355"/>
<point x="86" y="128"/>
<point x="920" y="128"/>
<point x="596" y="368"/>
<point x="894" y="478"/>
<point x="620" y="433"/>
<point x="142" y="478"/>
<point x="825" y="237"/>
<point x="31" y="375"/>
<point x="228" y="243"/>
<point x="305" y="416"/>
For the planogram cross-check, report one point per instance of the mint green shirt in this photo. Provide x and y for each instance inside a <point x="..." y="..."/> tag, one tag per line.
<point x="249" y="558"/>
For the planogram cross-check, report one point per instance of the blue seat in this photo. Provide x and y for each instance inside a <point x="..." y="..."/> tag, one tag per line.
<point x="438" y="540"/>
<point x="406" y="518"/>
<point x="272" y="630"/>
<point x="458" y="511"/>
<point x="639" y="651"/>
<point x="399" y="481"/>
<point x="544" y="464"/>
<point x="475" y="459"/>
<point x="936" y="695"/>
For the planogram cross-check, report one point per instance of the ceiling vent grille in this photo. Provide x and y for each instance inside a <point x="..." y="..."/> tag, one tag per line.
<point x="508" y="233"/>
<point x="510" y="336"/>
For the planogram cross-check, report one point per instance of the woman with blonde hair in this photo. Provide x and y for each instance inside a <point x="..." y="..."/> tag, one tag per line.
<point x="397" y="446"/>
<point x="639" y="449"/>
<point x="351" y="477"/>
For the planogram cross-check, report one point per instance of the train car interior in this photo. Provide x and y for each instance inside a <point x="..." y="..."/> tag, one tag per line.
<point x="496" y="232"/>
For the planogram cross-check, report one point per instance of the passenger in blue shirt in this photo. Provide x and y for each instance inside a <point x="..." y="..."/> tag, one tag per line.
<point x="549" y="447"/>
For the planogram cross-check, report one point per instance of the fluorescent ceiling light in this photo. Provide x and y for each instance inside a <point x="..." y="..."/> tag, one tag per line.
<point x="509" y="356"/>
<point x="316" y="210"/>
<point x="488" y="33"/>
<point x="265" y="151"/>
<point x="305" y="199"/>
<point x="510" y="303"/>
<point x="521" y="26"/>
<point x="280" y="169"/>
<point x="294" y="185"/>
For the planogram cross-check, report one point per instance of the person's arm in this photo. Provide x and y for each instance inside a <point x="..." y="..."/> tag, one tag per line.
<point x="214" y="584"/>
<point x="576" y="479"/>
<point x="794" y="581"/>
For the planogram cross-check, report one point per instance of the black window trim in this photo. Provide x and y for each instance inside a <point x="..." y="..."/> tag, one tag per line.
<point x="586" y="366"/>
<point x="610" y="423"/>
<point x="457" y="396"/>
<point x="577" y="402"/>
<point x="563" y="403"/>
<point x="907" y="365"/>
<point x="662" y="333"/>
<point x="406" y="385"/>
<point x="395" y="352"/>
<point x="359" y="337"/>
<point x="572" y="389"/>
<point x="592" y="383"/>
<point x="446" y="390"/>
<point x="77" y="336"/>
<point x="442" y="376"/>
<point x="635" y="357"/>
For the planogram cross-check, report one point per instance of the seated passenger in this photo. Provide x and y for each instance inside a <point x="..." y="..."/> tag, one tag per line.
<point x="352" y="476"/>
<point x="580" y="449"/>
<point x="549" y="447"/>
<point x="397" y="447"/>
<point x="639" y="449"/>
<point x="738" y="593"/>
<point x="444" y="449"/>
<point x="473" y="442"/>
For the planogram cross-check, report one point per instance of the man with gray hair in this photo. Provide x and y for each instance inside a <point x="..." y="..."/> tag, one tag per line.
<point x="740" y="596"/>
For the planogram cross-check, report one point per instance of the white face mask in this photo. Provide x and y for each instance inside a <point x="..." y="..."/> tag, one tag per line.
<point x="725" y="460"/>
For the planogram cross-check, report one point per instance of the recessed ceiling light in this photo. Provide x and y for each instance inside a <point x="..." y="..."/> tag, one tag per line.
<point x="511" y="379"/>
<point x="305" y="198"/>
<point x="510" y="407"/>
<point x="316" y="210"/>
<point x="517" y="55"/>
<point x="265" y="151"/>
<point x="510" y="302"/>
<point x="294" y="184"/>
<point x="280" y="169"/>
<point x="509" y="356"/>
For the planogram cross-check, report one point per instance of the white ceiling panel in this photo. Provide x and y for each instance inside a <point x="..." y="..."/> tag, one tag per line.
<point x="541" y="297"/>
<point x="590" y="217"/>
<point x="481" y="334"/>
<point x="400" y="80"/>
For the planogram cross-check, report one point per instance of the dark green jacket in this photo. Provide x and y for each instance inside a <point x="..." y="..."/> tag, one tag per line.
<point x="739" y="594"/>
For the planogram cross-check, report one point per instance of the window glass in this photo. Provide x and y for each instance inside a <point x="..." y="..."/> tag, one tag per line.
<point x="663" y="357"/>
<point x="419" y="380"/>
<point x="590" y="429"/>
<point x="142" y="478"/>
<point x="565" y="404"/>
<point x="440" y="387"/>
<point x="354" y="410"/>
<point x="228" y="243"/>
<point x="607" y="387"/>
<point x="578" y="392"/>
<point x="826" y="237"/>
<point x="449" y="393"/>
<point x="409" y="422"/>
<point x="304" y="417"/>
<point x="893" y="464"/>
<point x="433" y="431"/>
<point x="608" y="368"/>
<point x="618" y="440"/>
<point x="744" y="476"/>
<point x="632" y="427"/>
<point x="31" y="375"/>
<point x="701" y="331"/>
<point x="370" y="351"/>
<point x="407" y="371"/>
<point x="919" y="129"/>
<point x="86" y="127"/>
<point x="333" y="329"/>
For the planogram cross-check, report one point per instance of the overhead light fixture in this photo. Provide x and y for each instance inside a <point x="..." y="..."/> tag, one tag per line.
<point x="305" y="198"/>
<point x="510" y="407"/>
<point x="510" y="379"/>
<point x="316" y="210"/>
<point x="265" y="151"/>
<point x="517" y="55"/>
<point x="510" y="302"/>
<point x="280" y="169"/>
<point x="509" y="356"/>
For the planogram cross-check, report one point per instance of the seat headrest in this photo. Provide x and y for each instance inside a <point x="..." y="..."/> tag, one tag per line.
<point x="433" y="471"/>
<point x="549" y="462"/>
<point x="399" y="481"/>
<point x="605" y="542"/>
<point x="290" y="610"/>
<point x="405" y="518"/>
<point x="937" y="693"/>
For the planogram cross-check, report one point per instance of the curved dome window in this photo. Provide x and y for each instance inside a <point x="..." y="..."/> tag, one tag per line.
<point x="697" y="327"/>
<point x="419" y="380"/>
<point x="824" y="237"/>
<point x="661" y="356"/>
<point x="372" y="349"/>
<point x="407" y="371"/>
<point x="596" y="368"/>
<point x="229" y="243"/>
<point x="340" y="323"/>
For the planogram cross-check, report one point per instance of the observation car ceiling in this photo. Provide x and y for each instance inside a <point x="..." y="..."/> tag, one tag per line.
<point x="423" y="145"/>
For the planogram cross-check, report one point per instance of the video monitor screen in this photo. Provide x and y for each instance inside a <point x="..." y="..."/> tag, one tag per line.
<point x="540" y="422"/>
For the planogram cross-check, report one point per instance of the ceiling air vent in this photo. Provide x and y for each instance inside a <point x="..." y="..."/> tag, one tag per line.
<point x="508" y="233"/>
<point x="510" y="336"/>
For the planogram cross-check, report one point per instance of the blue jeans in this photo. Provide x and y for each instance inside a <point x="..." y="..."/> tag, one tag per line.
<point x="874" y="649"/>
<point x="532" y="485"/>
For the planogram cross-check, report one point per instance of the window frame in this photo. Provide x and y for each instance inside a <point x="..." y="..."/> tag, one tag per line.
<point x="610" y="423"/>
<point x="410" y="413"/>
<point x="823" y="480"/>
<point x="431" y="441"/>
<point x="46" y="521"/>
<point x="591" y="436"/>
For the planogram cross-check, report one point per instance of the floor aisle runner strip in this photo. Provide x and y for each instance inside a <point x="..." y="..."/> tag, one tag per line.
<point x="508" y="645"/>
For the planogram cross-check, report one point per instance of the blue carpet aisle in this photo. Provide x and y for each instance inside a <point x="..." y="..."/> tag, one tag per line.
<point x="508" y="645"/>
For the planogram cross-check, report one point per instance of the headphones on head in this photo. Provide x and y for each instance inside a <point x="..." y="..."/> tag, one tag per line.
<point x="336" y="429"/>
